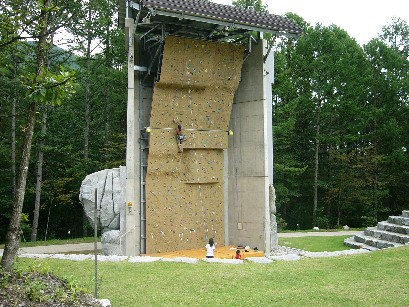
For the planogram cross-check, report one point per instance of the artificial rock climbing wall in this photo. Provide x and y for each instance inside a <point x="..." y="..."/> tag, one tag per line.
<point x="184" y="191"/>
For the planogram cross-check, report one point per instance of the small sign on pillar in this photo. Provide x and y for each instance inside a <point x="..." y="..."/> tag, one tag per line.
<point x="130" y="206"/>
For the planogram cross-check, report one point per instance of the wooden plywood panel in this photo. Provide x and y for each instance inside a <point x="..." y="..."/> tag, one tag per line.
<point x="203" y="166"/>
<point x="183" y="216"/>
<point x="184" y="191"/>
<point x="200" y="63"/>
<point x="198" y="108"/>
<point x="206" y="139"/>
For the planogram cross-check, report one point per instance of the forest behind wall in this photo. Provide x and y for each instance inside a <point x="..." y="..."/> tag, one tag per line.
<point x="341" y="127"/>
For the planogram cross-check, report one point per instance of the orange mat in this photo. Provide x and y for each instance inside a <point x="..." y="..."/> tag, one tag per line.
<point x="223" y="252"/>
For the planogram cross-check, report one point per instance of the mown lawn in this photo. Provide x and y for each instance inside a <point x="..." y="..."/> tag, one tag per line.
<point x="375" y="279"/>
<point x="316" y="244"/>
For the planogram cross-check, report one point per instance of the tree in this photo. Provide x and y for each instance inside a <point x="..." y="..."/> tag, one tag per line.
<point x="256" y="5"/>
<point x="288" y="168"/>
<point x="64" y="166"/>
<point x="39" y="180"/>
<point x="389" y="93"/>
<point x="95" y="30"/>
<point x="319" y="83"/>
<point x="11" y="103"/>
<point x="42" y="86"/>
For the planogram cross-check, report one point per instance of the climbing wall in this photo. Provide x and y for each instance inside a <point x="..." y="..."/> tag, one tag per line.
<point x="184" y="191"/>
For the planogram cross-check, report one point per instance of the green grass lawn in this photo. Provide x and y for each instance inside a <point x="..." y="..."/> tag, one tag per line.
<point x="315" y="244"/>
<point x="375" y="279"/>
<point x="321" y="230"/>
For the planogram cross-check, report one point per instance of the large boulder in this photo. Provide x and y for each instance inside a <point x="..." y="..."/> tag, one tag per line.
<point x="111" y="242"/>
<point x="273" y="219"/>
<point x="110" y="186"/>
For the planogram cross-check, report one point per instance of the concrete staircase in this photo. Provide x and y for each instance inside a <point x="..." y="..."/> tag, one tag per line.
<point x="391" y="233"/>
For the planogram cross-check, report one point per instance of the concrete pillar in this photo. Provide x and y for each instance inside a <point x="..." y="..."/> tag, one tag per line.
<point x="131" y="233"/>
<point x="226" y="197"/>
<point x="270" y="210"/>
<point x="250" y="153"/>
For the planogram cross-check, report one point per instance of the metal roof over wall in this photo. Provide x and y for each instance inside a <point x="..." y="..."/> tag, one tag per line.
<point x="205" y="17"/>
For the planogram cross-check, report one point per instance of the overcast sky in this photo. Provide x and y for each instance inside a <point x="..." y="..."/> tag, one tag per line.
<point x="362" y="19"/>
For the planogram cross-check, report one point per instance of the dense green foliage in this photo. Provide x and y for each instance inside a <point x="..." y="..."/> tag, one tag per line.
<point x="341" y="117"/>
<point x="62" y="144"/>
<point x="256" y="5"/>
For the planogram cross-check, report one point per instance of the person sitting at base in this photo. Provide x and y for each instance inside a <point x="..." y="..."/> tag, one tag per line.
<point x="210" y="247"/>
<point x="180" y="137"/>
<point x="238" y="255"/>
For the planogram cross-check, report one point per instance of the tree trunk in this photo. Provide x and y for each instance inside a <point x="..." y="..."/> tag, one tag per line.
<point x="317" y="147"/>
<point x="107" y="95"/>
<point x="14" y="230"/>
<point x="40" y="160"/>
<point x="87" y="106"/>
<point x="13" y="131"/>
<point x="87" y="93"/>
<point x="107" y="122"/>
<point x="339" y="209"/>
<point x="40" y="163"/>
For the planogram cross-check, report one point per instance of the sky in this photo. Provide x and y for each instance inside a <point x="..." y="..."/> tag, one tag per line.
<point x="362" y="19"/>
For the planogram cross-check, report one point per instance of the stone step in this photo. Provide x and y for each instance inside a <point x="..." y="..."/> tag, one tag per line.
<point x="393" y="228"/>
<point x="350" y="242"/>
<point x="378" y="243"/>
<point x="399" y="220"/>
<point x="387" y="235"/>
<point x="391" y="233"/>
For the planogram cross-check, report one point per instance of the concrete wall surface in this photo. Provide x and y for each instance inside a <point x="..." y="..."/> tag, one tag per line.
<point x="250" y="154"/>
<point x="131" y="233"/>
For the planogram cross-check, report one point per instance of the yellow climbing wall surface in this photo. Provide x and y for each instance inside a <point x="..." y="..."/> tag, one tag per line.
<point x="184" y="191"/>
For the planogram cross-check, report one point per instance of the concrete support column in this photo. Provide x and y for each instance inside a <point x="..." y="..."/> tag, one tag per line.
<point x="226" y="197"/>
<point x="268" y="80"/>
<point x="250" y="153"/>
<point x="131" y="233"/>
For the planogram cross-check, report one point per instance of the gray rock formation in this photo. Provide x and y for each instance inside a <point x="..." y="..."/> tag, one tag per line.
<point x="110" y="185"/>
<point x="111" y="242"/>
<point x="273" y="219"/>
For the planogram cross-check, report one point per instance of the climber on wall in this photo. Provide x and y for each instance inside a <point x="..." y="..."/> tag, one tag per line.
<point x="180" y="137"/>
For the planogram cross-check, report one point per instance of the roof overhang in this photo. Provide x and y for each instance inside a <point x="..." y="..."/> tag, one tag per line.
<point x="205" y="18"/>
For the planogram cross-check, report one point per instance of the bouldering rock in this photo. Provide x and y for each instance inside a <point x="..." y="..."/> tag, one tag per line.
<point x="110" y="185"/>
<point x="111" y="243"/>
<point x="273" y="219"/>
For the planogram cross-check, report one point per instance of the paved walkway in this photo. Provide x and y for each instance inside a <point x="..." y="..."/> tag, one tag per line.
<point x="80" y="247"/>
<point x="57" y="249"/>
